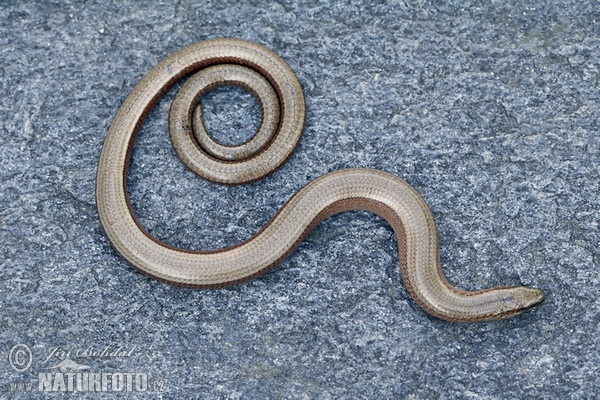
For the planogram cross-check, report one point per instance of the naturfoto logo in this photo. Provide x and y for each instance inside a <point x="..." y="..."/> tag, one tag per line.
<point x="76" y="370"/>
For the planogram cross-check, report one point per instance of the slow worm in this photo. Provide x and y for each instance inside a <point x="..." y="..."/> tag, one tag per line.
<point x="267" y="76"/>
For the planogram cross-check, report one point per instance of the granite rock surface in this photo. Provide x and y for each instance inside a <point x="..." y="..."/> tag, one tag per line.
<point x="489" y="109"/>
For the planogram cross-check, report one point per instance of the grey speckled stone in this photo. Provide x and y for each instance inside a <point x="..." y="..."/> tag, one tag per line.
<point x="490" y="109"/>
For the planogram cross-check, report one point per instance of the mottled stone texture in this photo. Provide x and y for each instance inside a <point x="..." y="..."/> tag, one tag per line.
<point x="489" y="108"/>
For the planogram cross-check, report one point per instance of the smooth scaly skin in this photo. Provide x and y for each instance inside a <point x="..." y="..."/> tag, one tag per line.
<point x="186" y="108"/>
<point x="365" y="189"/>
